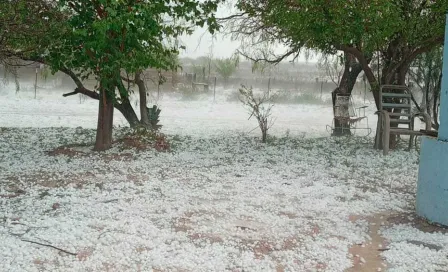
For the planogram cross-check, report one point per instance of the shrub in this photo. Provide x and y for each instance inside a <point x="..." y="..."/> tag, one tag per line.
<point x="142" y="138"/>
<point x="188" y="93"/>
<point x="260" y="107"/>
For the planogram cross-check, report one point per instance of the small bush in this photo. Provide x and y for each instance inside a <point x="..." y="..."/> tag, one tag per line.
<point x="285" y="97"/>
<point x="162" y="143"/>
<point x="187" y="93"/>
<point x="260" y="108"/>
<point x="142" y="138"/>
<point x="153" y="116"/>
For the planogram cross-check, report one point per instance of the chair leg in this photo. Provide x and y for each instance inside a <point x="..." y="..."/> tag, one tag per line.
<point x="386" y="137"/>
<point x="386" y="143"/>
<point x="411" y="140"/>
<point x="378" y="133"/>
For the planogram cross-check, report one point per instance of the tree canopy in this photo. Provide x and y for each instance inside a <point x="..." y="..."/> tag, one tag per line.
<point x="23" y="29"/>
<point x="103" y="38"/>
<point x="226" y="67"/>
<point x="398" y="30"/>
<point x="24" y="25"/>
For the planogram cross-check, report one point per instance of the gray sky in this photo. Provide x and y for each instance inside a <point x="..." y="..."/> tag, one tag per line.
<point x="200" y="42"/>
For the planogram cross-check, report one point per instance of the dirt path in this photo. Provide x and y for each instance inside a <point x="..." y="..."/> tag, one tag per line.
<point x="367" y="256"/>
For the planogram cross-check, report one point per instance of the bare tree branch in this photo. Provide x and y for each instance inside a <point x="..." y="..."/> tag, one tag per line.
<point x="46" y="245"/>
<point x="233" y="16"/>
<point x="275" y="60"/>
<point x="83" y="91"/>
<point x="256" y="108"/>
<point x="128" y="80"/>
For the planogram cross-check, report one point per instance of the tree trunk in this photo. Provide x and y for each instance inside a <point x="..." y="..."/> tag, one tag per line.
<point x="352" y="69"/>
<point x="264" y="136"/>
<point x="435" y="109"/>
<point x="105" y="121"/>
<point x="124" y="107"/>
<point x="396" y="62"/>
<point x="373" y="81"/>
<point x="427" y="89"/>
<point x="144" y="118"/>
<point x="128" y="112"/>
<point x="364" y="62"/>
<point x="435" y="112"/>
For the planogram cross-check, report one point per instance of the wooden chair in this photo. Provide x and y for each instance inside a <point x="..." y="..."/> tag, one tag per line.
<point x="395" y="110"/>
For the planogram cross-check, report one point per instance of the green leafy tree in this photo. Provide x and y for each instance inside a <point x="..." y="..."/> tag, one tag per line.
<point x="426" y="74"/>
<point x="200" y="67"/>
<point x="398" y="31"/>
<point x="103" y="38"/>
<point x="31" y="28"/>
<point x="226" y="67"/>
<point x="23" y="27"/>
<point x="263" y="68"/>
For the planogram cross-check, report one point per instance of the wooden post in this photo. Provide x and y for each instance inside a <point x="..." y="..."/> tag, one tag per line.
<point x="35" y="85"/>
<point x="209" y="69"/>
<point x="214" y="91"/>
<point x="269" y="86"/>
<point x="321" y="88"/>
<point x="365" y="91"/>
<point x="386" y="132"/>
<point x="203" y="73"/>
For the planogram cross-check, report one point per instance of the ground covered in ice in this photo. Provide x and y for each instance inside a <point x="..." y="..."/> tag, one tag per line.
<point x="218" y="201"/>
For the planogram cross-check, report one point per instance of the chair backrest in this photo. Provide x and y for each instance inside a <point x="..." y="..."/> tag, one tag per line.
<point x="343" y="108"/>
<point x="397" y="100"/>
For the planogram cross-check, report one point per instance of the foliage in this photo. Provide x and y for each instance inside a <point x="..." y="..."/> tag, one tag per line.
<point x="264" y="68"/>
<point x="102" y="38"/>
<point x="259" y="107"/>
<point x="426" y="75"/>
<point x="427" y="69"/>
<point x="142" y="139"/>
<point x="23" y="27"/>
<point x="331" y="66"/>
<point x="11" y="69"/>
<point x="200" y="67"/>
<point x="226" y="67"/>
<point x="199" y="70"/>
<point x="154" y="114"/>
<point x="285" y="97"/>
<point x="399" y="30"/>
<point x="188" y="93"/>
<point x="45" y="72"/>
<point x="326" y="25"/>
<point x="24" y="24"/>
